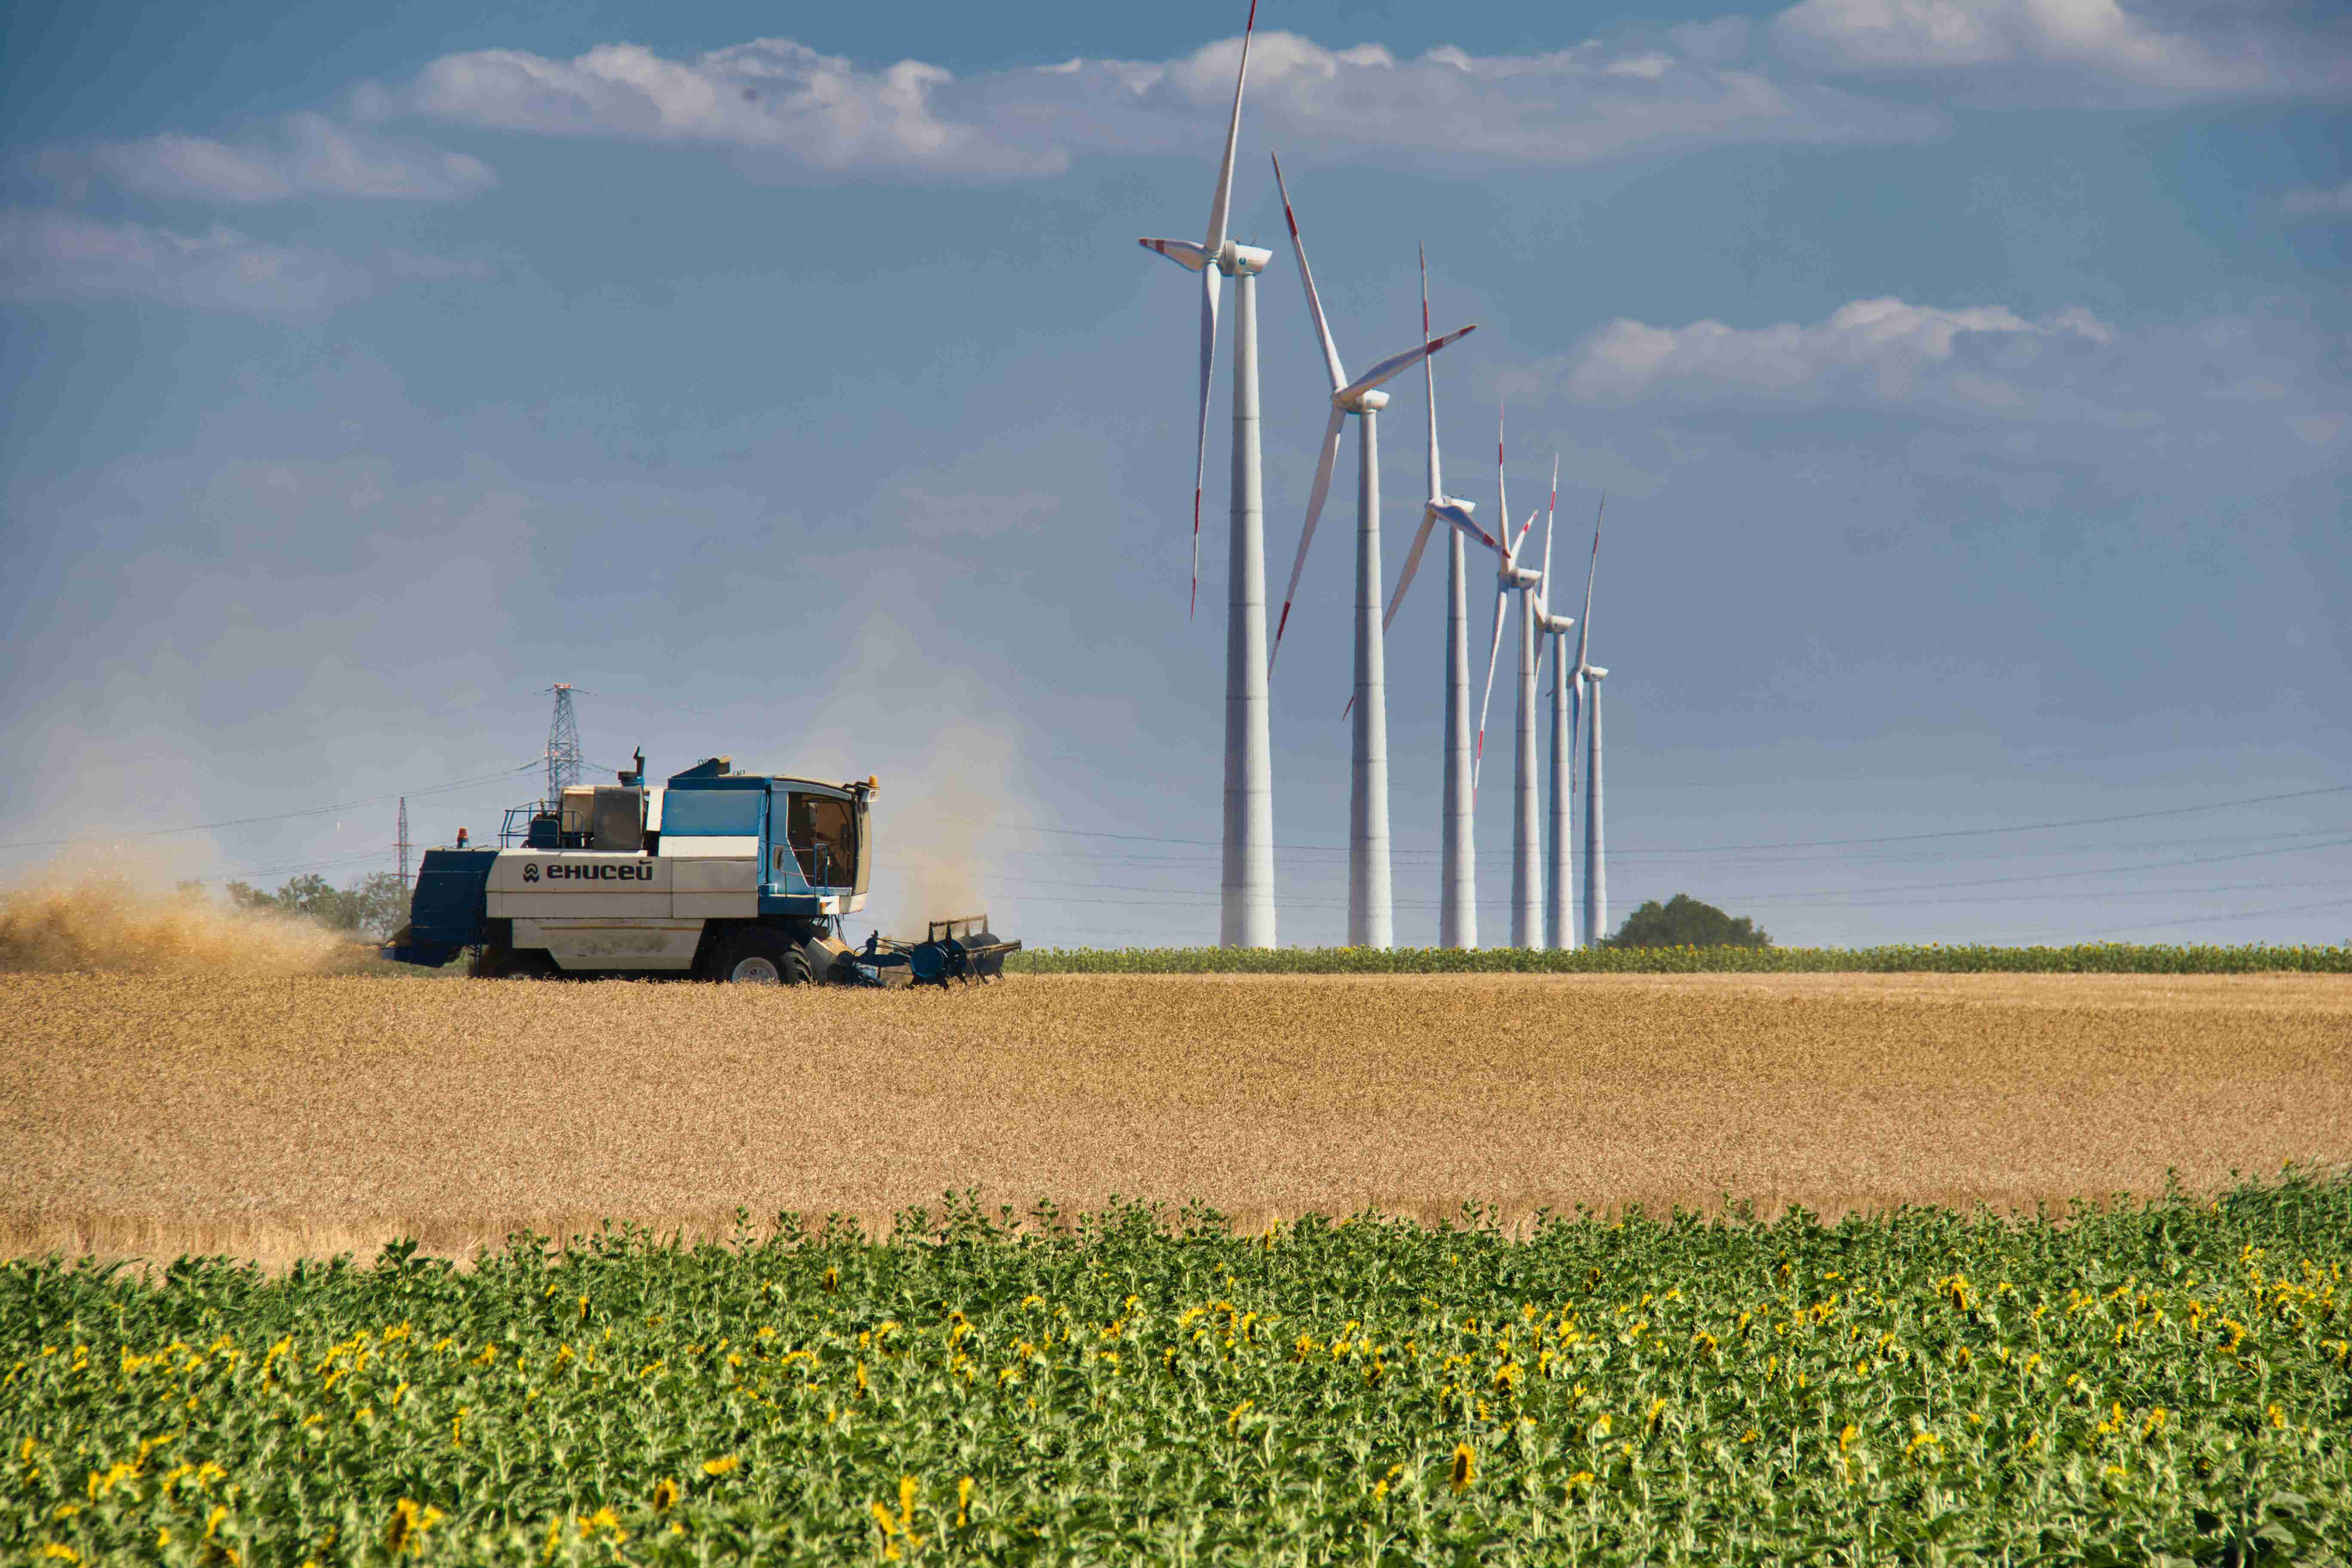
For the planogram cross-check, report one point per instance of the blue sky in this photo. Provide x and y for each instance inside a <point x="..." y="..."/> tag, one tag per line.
<point x="1970" y="378"/>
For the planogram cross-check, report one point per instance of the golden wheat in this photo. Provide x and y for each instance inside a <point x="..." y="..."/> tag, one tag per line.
<point x="275" y="1118"/>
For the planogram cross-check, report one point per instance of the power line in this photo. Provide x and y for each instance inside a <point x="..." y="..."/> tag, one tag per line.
<point x="1320" y="868"/>
<point x="2199" y="919"/>
<point x="275" y="816"/>
<point x="1858" y="894"/>
<point x="1728" y="848"/>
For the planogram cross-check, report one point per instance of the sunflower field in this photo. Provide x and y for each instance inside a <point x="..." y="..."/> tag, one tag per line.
<point x="2133" y="1383"/>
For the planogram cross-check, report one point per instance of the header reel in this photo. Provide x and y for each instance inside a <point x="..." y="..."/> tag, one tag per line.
<point x="964" y="950"/>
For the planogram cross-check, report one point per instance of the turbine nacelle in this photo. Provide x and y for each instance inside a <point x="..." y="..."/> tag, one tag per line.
<point x="1372" y="400"/>
<point x="1233" y="258"/>
<point x="1546" y="623"/>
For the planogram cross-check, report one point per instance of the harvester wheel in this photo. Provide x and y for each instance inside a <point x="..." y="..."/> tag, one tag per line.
<point x="762" y="957"/>
<point x="531" y="964"/>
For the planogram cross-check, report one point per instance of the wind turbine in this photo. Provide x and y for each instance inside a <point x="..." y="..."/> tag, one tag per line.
<point x="1511" y="577"/>
<point x="1560" y="921"/>
<point x="1247" y="918"/>
<point x="1372" y="916"/>
<point x="1588" y="679"/>
<point x="1457" y="910"/>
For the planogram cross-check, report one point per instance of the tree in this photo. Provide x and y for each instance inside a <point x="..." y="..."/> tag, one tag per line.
<point x="374" y="905"/>
<point x="1683" y="921"/>
<point x="383" y="903"/>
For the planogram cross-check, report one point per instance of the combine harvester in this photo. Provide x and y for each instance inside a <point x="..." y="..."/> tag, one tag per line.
<point x="744" y="878"/>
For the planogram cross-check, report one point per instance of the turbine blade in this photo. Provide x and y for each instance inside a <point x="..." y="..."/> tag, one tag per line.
<point x="1502" y="602"/>
<point x="1209" y="281"/>
<point x="1182" y="252"/>
<point x="1428" y="369"/>
<point x="1584" y="622"/>
<point x="1411" y="564"/>
<point x="1220" y="204"/>
<point x="1502" y="492"/>
<point x="1551" y="507"/>
<point x="1306" y="276"/>
<point x="1307" y="534"/>
<point x="1405" y="361"/>
<point x="1457" y="513"/>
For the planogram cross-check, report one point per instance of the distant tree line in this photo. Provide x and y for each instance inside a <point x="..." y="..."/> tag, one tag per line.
<point x="1683" y="921"/>
<point x="376" y="905"/>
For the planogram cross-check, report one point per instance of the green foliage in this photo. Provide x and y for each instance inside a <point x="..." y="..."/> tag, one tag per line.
<point x="2152" y="1383"/>
<point x="2083" y="958"/>
<point x="1683" y="921"/>
<point x="375" y="904"/>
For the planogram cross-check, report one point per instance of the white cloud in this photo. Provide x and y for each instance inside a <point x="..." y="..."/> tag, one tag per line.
<point x="61" y="256"/>
<point x="1569" y="106"/>
<point x="1874" y="350"/>
<point x="1636" y="90"/>
<point x="777" y="96"/>
<point x="315" y="156"/>
<point x="1987" y="377"/>
<point x="771" y="94"/>
<point x="2100" y="38"/>
<point x="2335" y="201"/>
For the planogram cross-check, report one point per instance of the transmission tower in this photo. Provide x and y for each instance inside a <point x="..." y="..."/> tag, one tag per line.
<point x="564" y="763"/>
<point x="403" y="847"/>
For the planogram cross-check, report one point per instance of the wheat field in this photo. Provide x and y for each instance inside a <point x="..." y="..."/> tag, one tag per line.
<point x="275" y="1117"/>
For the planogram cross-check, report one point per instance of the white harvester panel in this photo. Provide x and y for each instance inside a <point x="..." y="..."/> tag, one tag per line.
<point x="712" y="889"/>
<point x="615" y="943"/>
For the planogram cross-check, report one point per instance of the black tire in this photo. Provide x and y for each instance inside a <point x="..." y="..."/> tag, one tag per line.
<point x="763" y="957"/>
<point x="506" y="963"/>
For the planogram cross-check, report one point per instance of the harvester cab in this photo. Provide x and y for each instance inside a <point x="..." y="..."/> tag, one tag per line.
<point x="716" y="875"/>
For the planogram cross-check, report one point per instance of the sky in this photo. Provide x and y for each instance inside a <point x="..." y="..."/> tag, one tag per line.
<point x="1969" y="380"/>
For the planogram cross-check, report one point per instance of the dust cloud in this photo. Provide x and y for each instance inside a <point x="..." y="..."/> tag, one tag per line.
<point x="933" y="836"/>
<point x="116" y="921"/>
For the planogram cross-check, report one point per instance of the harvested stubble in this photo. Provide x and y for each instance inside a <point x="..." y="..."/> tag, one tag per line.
<point x="272" y="1119"/>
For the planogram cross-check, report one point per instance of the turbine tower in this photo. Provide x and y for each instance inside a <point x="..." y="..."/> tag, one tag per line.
<point x="1457" y="907"/>
<point x="563" y="762"/>
<point x="401" y="844"/>
<point x="1511" y="577"/>
<point x="1247" y="917"/>
<point x="1371" y="913"/>
<point x="1588" y="677"/>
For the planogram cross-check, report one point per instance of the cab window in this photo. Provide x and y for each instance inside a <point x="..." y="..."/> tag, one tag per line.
<point x="823" y="833"/>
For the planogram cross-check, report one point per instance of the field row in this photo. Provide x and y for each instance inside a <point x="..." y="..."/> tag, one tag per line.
<point x="2083" y="958"/>
<point x="279" y="1117"/>
<point x="2149" y="1384"/>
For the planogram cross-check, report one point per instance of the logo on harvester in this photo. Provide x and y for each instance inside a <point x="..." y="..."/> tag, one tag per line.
<point x="609" y="871"/>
